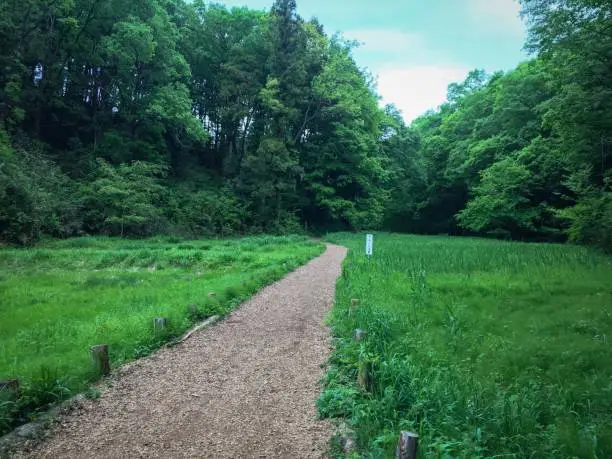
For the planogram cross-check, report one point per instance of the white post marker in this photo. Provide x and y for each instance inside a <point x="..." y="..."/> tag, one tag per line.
<point x="369" y="244"/>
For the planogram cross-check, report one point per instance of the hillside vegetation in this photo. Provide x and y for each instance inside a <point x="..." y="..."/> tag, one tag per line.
<point x="168" y="116"/>
<point x="483" y="348"/>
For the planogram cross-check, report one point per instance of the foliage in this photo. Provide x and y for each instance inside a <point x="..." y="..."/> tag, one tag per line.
<point x="126" y="197"/>
<point x="483" y="348"/>
<point x="251" y="121"/>
<point x="210" y="212"/>
<point x="500" y="201"/>
<point x="591" y="221"/>
<point x="111" y="290"/>
<point x="262" y="111"/>
<point x="525" y="154"/>
<point x="35" y="196"/>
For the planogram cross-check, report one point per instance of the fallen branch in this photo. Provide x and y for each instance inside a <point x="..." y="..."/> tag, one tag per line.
<point x="208" y="322"/>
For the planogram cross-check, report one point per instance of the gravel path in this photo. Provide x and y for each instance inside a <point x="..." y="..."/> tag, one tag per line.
<point x="243" y="388"/>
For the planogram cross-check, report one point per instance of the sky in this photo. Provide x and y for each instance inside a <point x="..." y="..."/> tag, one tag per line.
<point x="416" y="48"/>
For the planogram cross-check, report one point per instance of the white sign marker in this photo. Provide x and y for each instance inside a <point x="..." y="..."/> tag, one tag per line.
<point x="369" y="245"/>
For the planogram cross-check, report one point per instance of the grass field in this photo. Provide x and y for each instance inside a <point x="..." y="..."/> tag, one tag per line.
<point x="62" y="297"/>
<point x="484" y="348"/>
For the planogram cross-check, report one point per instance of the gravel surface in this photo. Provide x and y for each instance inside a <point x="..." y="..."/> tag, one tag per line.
<point x="243" y="388"/>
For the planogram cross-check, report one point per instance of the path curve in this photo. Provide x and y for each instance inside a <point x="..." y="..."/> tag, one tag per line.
<point x="243" y="388"/>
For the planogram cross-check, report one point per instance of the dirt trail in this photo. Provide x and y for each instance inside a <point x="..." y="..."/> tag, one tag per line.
<point x="243" y="388"/>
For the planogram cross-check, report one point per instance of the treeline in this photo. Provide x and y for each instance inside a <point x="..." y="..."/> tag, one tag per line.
<point x="167" y="116"/>
<point x="526" y="154"/>
<point x="148" y="116"/>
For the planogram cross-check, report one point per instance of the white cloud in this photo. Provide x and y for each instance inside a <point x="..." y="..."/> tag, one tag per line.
<point x="409" y="75"/>
<point x="498" y="16"/>
<point x="385" y="40"/>
<point x="414" y="90"/>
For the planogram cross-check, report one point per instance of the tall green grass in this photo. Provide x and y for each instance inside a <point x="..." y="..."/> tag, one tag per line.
<point x="62" y="297"/>
<point x="484" y="348"/>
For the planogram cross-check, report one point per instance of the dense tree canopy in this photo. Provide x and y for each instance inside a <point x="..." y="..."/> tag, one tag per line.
<point x="527" y="154"/>
<point x="166" y="115"/>
<point x="153" y="116"/>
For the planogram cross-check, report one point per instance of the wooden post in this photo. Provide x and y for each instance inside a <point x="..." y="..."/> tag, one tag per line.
<point x="347" y="438"/>
<point x="365" y="375"/>
<point x="159" y="323"/>
<point x="11" y="385"/>
<point x="360" y="334"/>
<point x="99" y="355"/>
<point x="348" y="444"/>
<point x="354" y="305"/>
<point x="407" y="446"/>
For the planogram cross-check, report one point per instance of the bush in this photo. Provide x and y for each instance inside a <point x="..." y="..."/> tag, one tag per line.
<point x="36" y="198"/>
<point x="591" y="221"/>
<point x="210" y="212"/>
<point x="125" y="200"/>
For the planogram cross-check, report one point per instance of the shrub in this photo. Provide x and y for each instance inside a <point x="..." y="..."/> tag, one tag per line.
<point x="126" y="199"/>
<point x="591" y="221"/>
<point x="36" y="198"/>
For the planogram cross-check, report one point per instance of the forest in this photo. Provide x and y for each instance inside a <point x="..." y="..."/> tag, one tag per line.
<point x="191" y="119"/>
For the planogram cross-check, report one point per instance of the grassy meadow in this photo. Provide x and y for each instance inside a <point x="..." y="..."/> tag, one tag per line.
<point x="58" y="299"/>
<point x="484" y="348"/>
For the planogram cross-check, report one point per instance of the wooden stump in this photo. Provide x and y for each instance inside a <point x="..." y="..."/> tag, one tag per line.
<point x="160" y="323"/>
<point x="11" y="385"/>
<point x="353" y="307"/>
<point x="99" y="355"/>
<point x="360" y="334"/>
<point x="347" y="438"/>
<point x="365" y="376"/>
<point x="348" y="444"/>
<point x="407" y="446"/>
<point x="194" y="313"/>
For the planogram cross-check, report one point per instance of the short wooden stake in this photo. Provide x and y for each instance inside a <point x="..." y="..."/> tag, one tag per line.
<point x="407" y="446"/>
<point x="352" y="310"/>
<point x="360" y="334"/>
<point x="353" y="307"/>
<point x="347" y="438"/>
<point x="365" y="375"/>
<point x="159" y="323"/>
<point x="348" y="444"/>
<point x="11" y="385"/>
<point x="99" y="355"/>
